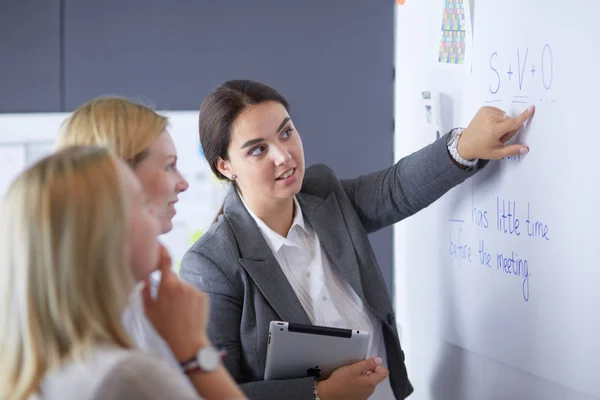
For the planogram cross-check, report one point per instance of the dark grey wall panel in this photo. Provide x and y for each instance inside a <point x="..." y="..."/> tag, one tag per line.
<point x="29" y="56"/>
<point x="332" y="59"/>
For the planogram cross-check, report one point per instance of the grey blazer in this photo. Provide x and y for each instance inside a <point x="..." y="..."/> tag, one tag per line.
<point x="234" y="265"/>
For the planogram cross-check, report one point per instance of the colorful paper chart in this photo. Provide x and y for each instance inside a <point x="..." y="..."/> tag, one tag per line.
<point x="453" y="33"/>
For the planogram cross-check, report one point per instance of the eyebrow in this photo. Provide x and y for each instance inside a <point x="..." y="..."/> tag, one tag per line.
<point x="285" y="121"/>
<point x="258" y="140"/>
<point x="251" y="142"/>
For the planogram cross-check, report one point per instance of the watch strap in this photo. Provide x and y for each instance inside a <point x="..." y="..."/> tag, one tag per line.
<point x="193" y="364"/>
<point x="453" y="149"/>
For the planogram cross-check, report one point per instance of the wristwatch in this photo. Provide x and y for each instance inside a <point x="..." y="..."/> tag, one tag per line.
<point x="207" y="359"/>
<point x="452" y="145"/>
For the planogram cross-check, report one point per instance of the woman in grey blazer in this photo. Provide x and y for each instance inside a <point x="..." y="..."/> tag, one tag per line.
<point x="291" y="244"/>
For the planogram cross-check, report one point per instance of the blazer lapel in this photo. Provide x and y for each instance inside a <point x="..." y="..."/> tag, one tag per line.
<point x="258" y="260"/>
<point x="273" y="284"/>
<point x="322" y="216"/>
<point x="326" y="218"/>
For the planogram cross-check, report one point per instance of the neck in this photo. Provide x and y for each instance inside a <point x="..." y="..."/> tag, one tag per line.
<point x="277" y="215"/>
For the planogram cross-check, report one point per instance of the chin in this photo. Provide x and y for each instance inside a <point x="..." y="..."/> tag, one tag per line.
<point x="166" y="227"/>
<point x="296" y="190"/>
<point x="291" y="191"/>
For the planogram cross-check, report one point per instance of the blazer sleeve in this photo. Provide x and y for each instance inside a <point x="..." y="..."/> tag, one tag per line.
<point x="224" y="329"/>
<point x="385" y="197"/>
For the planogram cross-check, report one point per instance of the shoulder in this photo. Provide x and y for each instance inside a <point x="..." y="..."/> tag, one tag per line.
<point x="136" y="364"/>
<point x="320" y="180"/>
<point x="213" y="260"/>
<point x="216" y="251"/>
<point x="141" y="376"/>
<point x="220" y="234"/>
<point x="216" y="247"/>
<point x="82" y="377"/>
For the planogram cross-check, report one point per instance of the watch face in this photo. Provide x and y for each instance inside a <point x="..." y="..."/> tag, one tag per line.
<point x="208" y="358"/>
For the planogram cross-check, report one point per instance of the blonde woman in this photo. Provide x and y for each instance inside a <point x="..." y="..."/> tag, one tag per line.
<point x="75" y="228"/>
<point x="139" y="136"/>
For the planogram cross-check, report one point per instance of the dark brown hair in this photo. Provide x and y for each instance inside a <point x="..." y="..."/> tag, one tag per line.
<point x="220" y="109"/>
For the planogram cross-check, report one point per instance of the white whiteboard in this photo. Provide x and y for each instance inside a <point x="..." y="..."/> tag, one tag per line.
<point x="24" y="138"/>
<point x="535" y="317"/>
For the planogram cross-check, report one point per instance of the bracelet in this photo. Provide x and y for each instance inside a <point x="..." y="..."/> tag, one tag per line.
<point x="452" y="146"/>
<point x="315" y="390"/>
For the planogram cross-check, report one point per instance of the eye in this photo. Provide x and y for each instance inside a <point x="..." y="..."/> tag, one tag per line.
<point x="171" y="167"/>
<point x="257" y="151"/>
<point x="287" y="133"/>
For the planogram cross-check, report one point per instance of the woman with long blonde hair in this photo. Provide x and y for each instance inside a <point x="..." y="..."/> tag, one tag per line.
<point x="75" y="229"/>
<point x="139" y="136"/>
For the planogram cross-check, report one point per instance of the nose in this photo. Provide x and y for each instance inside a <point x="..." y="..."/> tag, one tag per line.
<point x="182" y="185"/>
<point x="280" y="155"/>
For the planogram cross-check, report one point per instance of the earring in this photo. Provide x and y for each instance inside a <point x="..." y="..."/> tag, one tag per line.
<point x="233" y="177"/>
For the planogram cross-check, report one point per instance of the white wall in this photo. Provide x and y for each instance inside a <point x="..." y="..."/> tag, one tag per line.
<point x="437" y="369"/>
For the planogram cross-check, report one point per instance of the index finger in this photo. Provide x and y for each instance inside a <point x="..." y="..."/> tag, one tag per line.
<point x="512" y="124"/>
<point x="147" y="293"/>
<point x="164" y="261"/>
<point x="168" y="279"/>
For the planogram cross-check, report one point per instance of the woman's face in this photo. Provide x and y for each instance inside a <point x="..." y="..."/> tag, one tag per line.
<point x="143" y="227"/>
<point x="265" y="153"/>
<point x="161" y="180"/>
